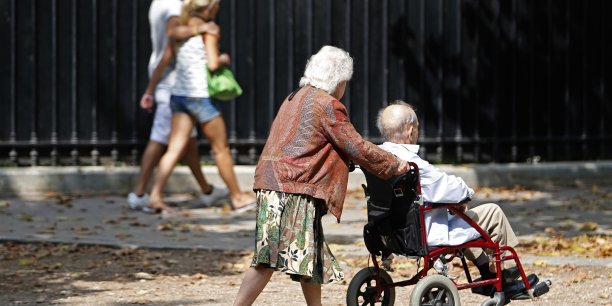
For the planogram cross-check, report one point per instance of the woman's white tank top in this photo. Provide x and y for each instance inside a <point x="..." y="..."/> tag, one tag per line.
<point x="191" y="60"/>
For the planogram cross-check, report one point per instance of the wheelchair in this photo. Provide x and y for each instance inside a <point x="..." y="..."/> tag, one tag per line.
<point x="396" y="226"/>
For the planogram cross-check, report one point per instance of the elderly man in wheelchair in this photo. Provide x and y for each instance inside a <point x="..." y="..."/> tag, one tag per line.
<point x="424" y="214"/>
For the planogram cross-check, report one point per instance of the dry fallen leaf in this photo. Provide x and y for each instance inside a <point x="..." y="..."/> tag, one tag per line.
<point x="25" y="217"/>
<point x="143" y="275"/>
<point x="540" y="263"/>
<point x="589" y="226"/>
<point x="25" y="262"/>
<point x="165" y="227"/>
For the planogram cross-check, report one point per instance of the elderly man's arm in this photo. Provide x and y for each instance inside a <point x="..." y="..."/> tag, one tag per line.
<point x="437" y="186"/>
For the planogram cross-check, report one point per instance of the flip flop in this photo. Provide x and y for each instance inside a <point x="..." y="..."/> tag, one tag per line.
<point x="245" y="208"/>
<point x="158" y="209"/>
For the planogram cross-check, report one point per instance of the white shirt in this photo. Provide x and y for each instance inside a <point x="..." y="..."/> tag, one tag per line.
<point x="159" y="13"/>
<point x="438" y="187"/>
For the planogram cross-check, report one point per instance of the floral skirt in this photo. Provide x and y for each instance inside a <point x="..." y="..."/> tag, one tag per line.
<point x="289" y="237"/>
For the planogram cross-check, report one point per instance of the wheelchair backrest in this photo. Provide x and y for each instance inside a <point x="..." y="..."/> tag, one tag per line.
<point x="394" y="223"/>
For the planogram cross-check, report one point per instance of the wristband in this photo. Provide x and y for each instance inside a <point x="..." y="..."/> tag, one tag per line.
<point x="195" y="31"/>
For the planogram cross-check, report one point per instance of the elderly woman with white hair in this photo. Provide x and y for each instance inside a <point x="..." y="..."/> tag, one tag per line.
<point x="302" y="174"/>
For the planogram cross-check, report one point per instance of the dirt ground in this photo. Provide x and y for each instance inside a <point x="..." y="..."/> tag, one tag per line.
<point x="50" y="274"/>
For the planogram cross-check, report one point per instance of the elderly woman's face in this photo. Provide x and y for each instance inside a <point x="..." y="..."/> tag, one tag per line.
<point x="339" y="92"/>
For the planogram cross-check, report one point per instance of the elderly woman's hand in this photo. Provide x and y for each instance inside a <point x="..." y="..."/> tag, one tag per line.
<point x="402" y="168"/>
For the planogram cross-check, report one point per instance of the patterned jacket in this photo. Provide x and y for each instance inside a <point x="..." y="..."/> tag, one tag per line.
<point x="310" y="144"/>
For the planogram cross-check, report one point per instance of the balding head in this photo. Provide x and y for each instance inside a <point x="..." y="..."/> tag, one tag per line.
<point x="398" y="123"/>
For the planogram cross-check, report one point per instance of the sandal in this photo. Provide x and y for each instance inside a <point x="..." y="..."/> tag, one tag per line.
<point x="160" y="208"/>
<point x="249" y="205"/>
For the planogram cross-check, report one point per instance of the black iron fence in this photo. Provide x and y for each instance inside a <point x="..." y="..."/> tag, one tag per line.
<point x="493" y="80"/>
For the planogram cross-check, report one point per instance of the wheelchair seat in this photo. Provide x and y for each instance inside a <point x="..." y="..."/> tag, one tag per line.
<point x="394" y="222"/>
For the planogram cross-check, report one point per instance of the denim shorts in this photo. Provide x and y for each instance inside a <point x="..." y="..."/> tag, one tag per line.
<point x="202" y="109"/>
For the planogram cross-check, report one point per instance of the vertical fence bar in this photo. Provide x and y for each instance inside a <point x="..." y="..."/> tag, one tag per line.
<point x="366" y="69"/>
<point x="439" y="80"/>
<point x="114" y="76"/>
<point x="385" y="49"/>
<point x="532" y="100"/>
<point x="513" y="44"/>
<point x="290" y="31"/>
<point x="347" y="35"/>
<point x="456" y="86"/>
<point x="272" y="59"/>
<point x="330" y="25"/>
<point x="420" y="39"/>
<point x="549" y="85"/>
<point x="309" y="26"/>
<point x="95" y="154"/>
<point x="584" y="135"/>
<point x="566" y="96"/>
<point x="496" y="97"/>
<point x="54" y="105"/>
<point x="252" y="152"/>
<point x="74" y="139"/>
<point x="476" y="60"/>
<point x="232" y="137"/>
<point x="134" y="79"/>
<point x="13" y="157"/>
<point x="602" y="84"/>
<point x="35" y="95"/>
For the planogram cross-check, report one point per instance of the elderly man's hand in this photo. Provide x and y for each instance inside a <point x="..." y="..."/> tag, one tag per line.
<point x="462" y="207"/>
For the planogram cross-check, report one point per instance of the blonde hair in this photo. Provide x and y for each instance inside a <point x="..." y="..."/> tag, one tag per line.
<point x="327" y="68"/>
<point x="190" y="6"/>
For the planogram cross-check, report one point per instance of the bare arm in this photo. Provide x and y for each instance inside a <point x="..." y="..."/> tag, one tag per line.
<point x="146" y="102"/>
<point x="178" y="32"/>
<point x="211" y="43"/>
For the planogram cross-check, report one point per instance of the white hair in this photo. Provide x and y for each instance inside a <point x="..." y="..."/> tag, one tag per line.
<point x="327" y="68"/>
<point x="392" y="119"/>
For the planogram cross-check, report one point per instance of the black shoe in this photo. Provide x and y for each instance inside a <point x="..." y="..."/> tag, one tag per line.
<point x="508" y="277"/>
<point x="517" y="287"/>
<point x="510" y="274"/>
<point x="486" y="290"/>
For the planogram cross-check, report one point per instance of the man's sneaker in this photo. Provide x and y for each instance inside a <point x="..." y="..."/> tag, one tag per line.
<point x="137" y="202"/>
<point x="215" y="197"/>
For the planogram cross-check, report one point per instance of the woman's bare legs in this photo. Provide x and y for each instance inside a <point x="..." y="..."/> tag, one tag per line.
<point x="312" y="294"/>
<point x="179" y="137"/>
<point x="215" y="132"/>
<point x="192" y="159"/>
<point x="150" y="158"/>
<point x="254" y="281"/>
<point x="153" y="153"/>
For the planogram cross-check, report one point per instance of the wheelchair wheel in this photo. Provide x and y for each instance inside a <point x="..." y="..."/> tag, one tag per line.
<point x="361" y="289"/>
<point x="490" y="302"/>
<point x="435" y="290"/>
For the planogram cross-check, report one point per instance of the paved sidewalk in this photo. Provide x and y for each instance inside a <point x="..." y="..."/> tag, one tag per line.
<point x="108" y="221"/>
<point x="104" y="180"/>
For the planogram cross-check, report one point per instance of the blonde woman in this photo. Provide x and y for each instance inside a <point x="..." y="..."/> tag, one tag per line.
<point x="191" y="104"/>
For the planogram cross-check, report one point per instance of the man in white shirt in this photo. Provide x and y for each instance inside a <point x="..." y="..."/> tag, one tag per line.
<point x="399" y="125"/>
<point x="164" y="21"/>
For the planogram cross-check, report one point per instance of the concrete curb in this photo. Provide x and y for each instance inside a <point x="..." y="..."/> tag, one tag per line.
<point x="39" y="181"/>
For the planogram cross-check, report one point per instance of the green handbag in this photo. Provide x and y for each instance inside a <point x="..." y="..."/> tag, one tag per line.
<point x="222" y="84"/>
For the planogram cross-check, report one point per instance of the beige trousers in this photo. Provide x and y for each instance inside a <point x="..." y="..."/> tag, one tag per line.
<point x="492" y="220"/>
